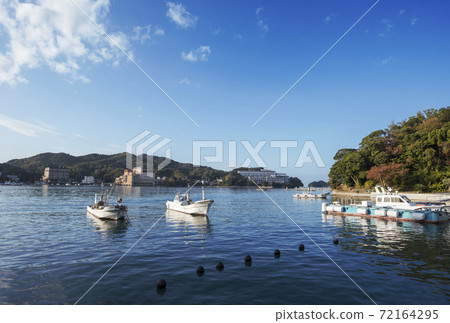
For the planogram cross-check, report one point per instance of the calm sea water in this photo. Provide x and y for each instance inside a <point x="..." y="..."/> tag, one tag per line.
<point x="51" y="252"/>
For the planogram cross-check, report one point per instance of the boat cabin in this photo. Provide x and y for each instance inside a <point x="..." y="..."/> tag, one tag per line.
<point x="394" y="200"/>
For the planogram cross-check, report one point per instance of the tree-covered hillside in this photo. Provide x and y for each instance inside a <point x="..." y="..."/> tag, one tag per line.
<point x="410" y="155"/>
<point x="105" y="167"/>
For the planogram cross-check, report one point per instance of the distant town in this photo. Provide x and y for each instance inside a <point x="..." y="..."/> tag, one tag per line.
<point x="136" y="177"/>
<point x="95" y="169"/>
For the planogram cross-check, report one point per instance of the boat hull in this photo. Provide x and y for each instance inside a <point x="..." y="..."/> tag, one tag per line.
<point x="426" y="216"/>
<point x="196" y="208"/>
<point x="311" y="196"/>
<point x="107" y="213"/>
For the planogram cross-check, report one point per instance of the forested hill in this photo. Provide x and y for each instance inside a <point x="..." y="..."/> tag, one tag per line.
<point x="104" y="167"/>
<point x="410" y="155"/>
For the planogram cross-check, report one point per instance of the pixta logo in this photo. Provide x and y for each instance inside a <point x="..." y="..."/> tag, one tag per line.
<point x="307" y="151"/>
<point x="147" y="144"/>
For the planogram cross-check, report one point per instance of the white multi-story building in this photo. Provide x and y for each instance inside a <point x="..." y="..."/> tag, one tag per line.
<point x="88" y="180"/>
<point x="55" y="174"/>
<point x="135" y="178"/>
<point x="264" y="175"/>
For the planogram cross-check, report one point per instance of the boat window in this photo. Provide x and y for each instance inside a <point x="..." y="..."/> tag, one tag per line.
<point x="378" y="199"/>
<point x="407" y="200"/>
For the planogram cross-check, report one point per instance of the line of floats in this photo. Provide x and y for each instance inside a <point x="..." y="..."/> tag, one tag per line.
<point x="161" y="284"/>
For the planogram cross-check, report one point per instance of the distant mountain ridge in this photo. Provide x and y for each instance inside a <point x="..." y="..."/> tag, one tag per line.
<point x="104" y="167"/>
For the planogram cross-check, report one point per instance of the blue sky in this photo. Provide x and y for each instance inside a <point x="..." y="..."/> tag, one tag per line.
<point x="65" y="87"/>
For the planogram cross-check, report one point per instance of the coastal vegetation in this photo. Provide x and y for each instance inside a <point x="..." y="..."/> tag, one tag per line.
<point x="410" y="155"/>
<point x="106" y="168"/>
<point x="318" y="184"/>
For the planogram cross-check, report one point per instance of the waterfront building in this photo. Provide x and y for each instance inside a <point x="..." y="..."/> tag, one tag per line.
<point x="55" y="175"/>
<point x="13" y="178"/>
<point x="264" y="175"/>
<point x="135" y="177"/>
<point x="88" y="180"/>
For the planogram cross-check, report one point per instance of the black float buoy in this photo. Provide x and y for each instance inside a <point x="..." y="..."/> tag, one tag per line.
<point x="161" y="284"/>
<point x="220" y="266"/>
<point x="248" y="260"/>
<point x="301" y="247"/>
<point x="336" y="241"/>
<point x="277" y="253"/>
<point x="200" y="271"/>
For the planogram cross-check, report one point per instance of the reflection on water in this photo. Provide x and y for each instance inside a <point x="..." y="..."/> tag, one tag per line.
<point x="108" y="227"/>
<point x="45" y="191"/>
<point x="130" y="191"/>
<point x="185" y="222"/>
<point x="412" y="244"/>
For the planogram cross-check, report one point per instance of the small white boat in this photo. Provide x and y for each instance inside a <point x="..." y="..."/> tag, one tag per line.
<point x="305" y="195"/>
<point x="104" y="211"/>
<point x="183" y="203"/>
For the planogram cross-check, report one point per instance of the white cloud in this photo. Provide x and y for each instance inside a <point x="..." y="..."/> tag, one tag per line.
<point x="264" y="27"/>
<point x="386" y="60"/>
<point x="387" y="27"/>
<point x="199" y="54"/>
<point x="26" y="128"/>
<point x="216" y="32"/>
<point x="55" y="34"/>
<point x="238" y="36"/>
<point x="179" y="15"/>
<point x="141" y="33"/>
<point x="413" y="21"/>
<point x="329" y="17"/>
<point x="401" y="12"/>
<point x="159" y="31"/>
<point x="185" y="81"/>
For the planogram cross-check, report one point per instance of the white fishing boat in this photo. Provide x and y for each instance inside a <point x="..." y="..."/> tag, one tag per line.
<point x="101" y="209"/>
<point x="391" y="206"/>
<point x="388" y="199"/>
<point x="183" y="203"/>
<point x="306" y="195"/>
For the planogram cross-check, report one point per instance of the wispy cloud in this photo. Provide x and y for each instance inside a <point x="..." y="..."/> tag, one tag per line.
<point x="387" y="23"/>
<point x="413" y="21"/>
<point x="216" y="32"/>
<point x="262" y="25"/>
<point x="179" y="15"/>
<point x="57" y="35"/>
<point x="141" y="33"/>
<point x="401" y="12"/>
<point x="159" y="31"/>
<point x="185" y="81"/>
<point x="386" y="60"/>
<point x="199" y="54"/>
<point x="329" y="17"/>
<point x="26" y="128"/>
<point x="238" y="36"/>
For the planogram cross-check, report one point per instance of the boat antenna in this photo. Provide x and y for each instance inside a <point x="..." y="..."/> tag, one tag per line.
<point x="107" y="198"/>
